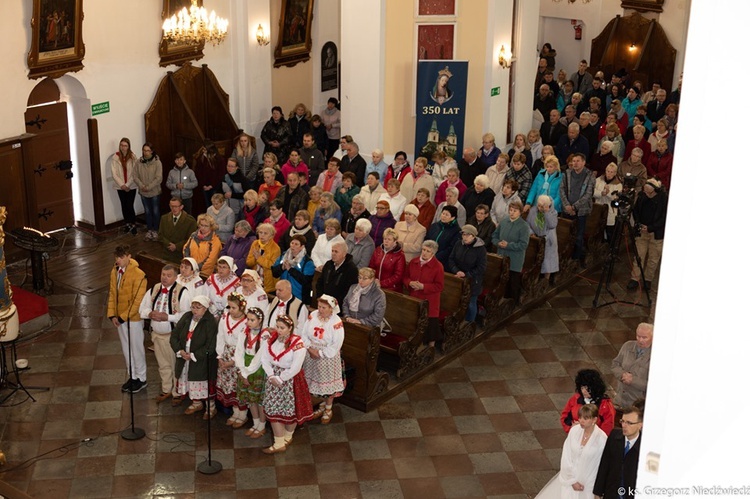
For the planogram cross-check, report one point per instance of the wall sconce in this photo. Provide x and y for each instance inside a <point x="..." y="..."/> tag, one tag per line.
<point x="260" y="35"/>
<point x="632" y="47"/>
<point x="505" y="59"/>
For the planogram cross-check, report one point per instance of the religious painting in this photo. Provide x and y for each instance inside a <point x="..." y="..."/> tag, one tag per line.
<point x="329" y="61"/>
<point x="436" y="8"/>
<point x="435" y="41"/>
<point x="643" y="5"/>
<point x="295" y="33"/>
<point x="56" y="38"/>
<point x="174" y="52"/>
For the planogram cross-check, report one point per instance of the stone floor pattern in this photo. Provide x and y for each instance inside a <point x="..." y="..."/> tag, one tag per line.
<point x="486" y="425"/>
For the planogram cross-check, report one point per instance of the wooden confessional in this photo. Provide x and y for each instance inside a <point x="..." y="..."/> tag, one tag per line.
<point x="637" y="44"/>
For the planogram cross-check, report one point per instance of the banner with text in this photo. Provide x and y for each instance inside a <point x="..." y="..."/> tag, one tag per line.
<point x="441" y="107"/>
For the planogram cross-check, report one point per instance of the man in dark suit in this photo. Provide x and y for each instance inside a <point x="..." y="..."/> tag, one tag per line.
<point x="353" y="162"/>
<point x="470" y="166"/>
<point x="552" y="130"/>
<point x="339" y="273"/>
<point x="618" y="467"/>
<point x="656" y="109"/>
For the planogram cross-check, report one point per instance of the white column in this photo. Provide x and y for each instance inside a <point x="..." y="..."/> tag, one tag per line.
<point x="524" y="69"/>
<point x="362" y="55"/>
<point x="499" y="30"/>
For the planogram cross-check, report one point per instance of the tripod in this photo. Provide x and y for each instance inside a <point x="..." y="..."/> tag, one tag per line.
<point x="621" y="225"/>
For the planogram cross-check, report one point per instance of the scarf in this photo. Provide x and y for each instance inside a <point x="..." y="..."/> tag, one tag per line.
<point x="293" y="231"/>
<point x="539" y="220"/>
<point x="198" y="239"/>
<point x="423" y="262"/>
<point x="294" y="261"/>
<point x="358" y="292"/>
<point x="328" y="181"/>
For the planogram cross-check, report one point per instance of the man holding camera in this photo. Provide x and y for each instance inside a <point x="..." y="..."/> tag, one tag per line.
<point x="650" y="215"/>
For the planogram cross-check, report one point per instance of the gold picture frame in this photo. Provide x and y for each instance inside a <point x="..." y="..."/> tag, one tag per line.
<point x="177" y="53"/>
<point x="295" y="33"/>
<point x="56" y="38"/>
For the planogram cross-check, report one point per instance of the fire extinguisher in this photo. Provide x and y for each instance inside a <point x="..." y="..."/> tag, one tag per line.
<point x="579" y="31"/>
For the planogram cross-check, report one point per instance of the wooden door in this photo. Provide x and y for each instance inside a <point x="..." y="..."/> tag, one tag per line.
<point x="49" y="171"/>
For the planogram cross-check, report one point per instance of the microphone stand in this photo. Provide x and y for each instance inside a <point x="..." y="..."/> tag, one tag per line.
<point x="132" y="433"/>
<point x="209" y="467"/>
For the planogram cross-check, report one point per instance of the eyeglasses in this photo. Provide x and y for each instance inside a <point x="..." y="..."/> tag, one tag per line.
<point x="625" y="422"/>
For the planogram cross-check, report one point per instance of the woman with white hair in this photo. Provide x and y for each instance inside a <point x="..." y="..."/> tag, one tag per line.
<point x="377" y="164"/>
<point x="321" y="252"/>
<point x="324" y="335"/>
<point x="359" y="243"/>
<point x="599" y="160"/>
<point x="479" y="193"/>
<point x="542" y="220"/>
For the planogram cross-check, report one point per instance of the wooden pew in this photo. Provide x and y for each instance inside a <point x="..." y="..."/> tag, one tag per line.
<point x="496" y="305"/>
<point x="532" y="286"/>
<point x="152" y="266"/>
<point x="566" y="241"/>
<point x="454" y="302"/>
<point x="593" y="235"/>
<point x="400" y="349"/>
<point x="360" y="353"/>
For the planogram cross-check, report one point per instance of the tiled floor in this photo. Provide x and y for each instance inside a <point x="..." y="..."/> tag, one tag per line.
<point x="485" y="425"/>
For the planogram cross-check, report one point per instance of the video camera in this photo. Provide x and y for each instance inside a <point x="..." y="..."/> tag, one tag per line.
<point x="625" y="200"/>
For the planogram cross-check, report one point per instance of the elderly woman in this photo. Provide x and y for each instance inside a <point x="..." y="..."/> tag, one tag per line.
<point x="590" y="389"/>
<point x="296" y="266"/>
<point x="483" y="223"/>
<point x="287" y="398"/>
<point x="277" y="218"/>
<point x="418" y="179"/>
<point x="426" y="209"/>
<point x="446" y="233"/>
<point x="388" y="262"/>
<point x="252" y="289"/>
<point x="356" y="213"/>
<point x="508" y="194"/>
<point x="479" y="193"/>
<point x="424" y="280"/>
<point x="321" y="253"/>
<point x="263" y="254"/>
<point x="599" y="160"/>
<point x="542" y="220"/>
<point x="204" y="245"/>
<point x="328" y="209"/>
<point x="300" y="227"/>
<point x="442" y="163"/>
<point x="223" y="215"/>
<point x="451" y="199"/>
<point x="253" y="211"/>
<point x="452" y="180"/>
<point x="314" y="203"/>
<point x="547" y="183"/>
<point x="604" y="189"/>
<point x="324" y="336"/>
<point x="377" y="164"/>
<point x="396" y="200"/>
<point x="661" y="132"/>
<point x="247" y="158"/>
<point x="238" y="245"/>
<point x="365" y="301"/>
<point x="511" y="239"/>
<point x="360" y="244"/>
<point x="640" y="142"/>
<point x="496" y="173"/>
<point x="469" y="259"/>
<point x="194" y="341"/>
<point x="660" y="164"/>
<point x="612" y="134"/>
<point x="381" y="220"/>
<point x="220" y="284"/>
<point x="411" y="233"/>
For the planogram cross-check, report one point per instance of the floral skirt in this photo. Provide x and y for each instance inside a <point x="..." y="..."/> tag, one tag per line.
<point x="226" y="381"/>
<point x="196" y="390"/>
<point x="251" y="390"/>
<point x="325" y="377"/>
<point x="290" y="403"/>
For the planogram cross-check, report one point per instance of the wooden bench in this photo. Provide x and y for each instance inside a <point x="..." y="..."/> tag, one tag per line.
<point x="454" y="302"/>
<point x="360" y="352"/>
<point x="493" y="299"/>
<point x="407" y="317"/>
<point x="152" y="266"/>
<point x="593" y="235"/>
<point x="566" y="241"/>
<point x="531" y="285"/>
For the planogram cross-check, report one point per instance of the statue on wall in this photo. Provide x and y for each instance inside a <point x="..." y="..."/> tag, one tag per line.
<point x="9" y="325"/>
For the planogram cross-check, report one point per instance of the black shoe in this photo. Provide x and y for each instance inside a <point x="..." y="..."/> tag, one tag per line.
<point x="632" y="285"/>
<point x="137" y="385"/>
<point x="126" y="228"/>
<point x="133" y="230"/>
<point x="126" y="385"/>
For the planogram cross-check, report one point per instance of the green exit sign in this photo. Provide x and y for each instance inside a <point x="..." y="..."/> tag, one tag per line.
<point x="495" y="91"/>
<point x="101" y="108"/>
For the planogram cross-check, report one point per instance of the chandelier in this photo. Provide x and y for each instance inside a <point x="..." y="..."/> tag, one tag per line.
<point x="195" y="26"/>
<point x="572" y="1"/>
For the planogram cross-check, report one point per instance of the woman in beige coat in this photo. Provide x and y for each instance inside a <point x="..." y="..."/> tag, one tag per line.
<point x="411" y="233"/>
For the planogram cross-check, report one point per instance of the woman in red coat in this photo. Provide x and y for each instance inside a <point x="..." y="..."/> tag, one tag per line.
<point x="660" y="164"/>
<point x="388" y="262"/>
<point x="590" y="389"/>
<point x="424" y="279"/>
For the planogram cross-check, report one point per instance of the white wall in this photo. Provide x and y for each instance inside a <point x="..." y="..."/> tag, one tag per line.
<point x="559" y="33"/>
<point x="326" y="28"/>
<point x="697" y="405"/>
<point x="499" y="31"/>
<point x="525" y="68"/>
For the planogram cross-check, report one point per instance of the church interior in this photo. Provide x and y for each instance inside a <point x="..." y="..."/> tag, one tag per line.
<point x="481" y="420"/>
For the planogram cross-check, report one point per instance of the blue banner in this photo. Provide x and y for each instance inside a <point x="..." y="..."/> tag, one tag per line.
<point x="441" y="107"/>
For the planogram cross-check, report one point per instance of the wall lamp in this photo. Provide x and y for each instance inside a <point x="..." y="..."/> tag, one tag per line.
<point x="261" y="36"/>
<point x="505" y="59"/>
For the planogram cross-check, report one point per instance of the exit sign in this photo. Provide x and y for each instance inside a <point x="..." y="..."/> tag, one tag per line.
<point x="101" y="108"/>
<point x="495" y="91"/>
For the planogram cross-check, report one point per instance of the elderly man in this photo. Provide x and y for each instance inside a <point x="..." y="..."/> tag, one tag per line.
<point x="631" y="366"/>
<point x="339" y="274"/>
<point x="576" y="195"/>
<point x="656" y="109"/>
<point x="573" y="143"/>
<point x="618" y="468"/>
<point x="570" y="115"/>
<point x="489" y="151"/>
<point x="635" y="167"/>
<point x="285" y="303"/>
<point x="470" y="166"/>
<point x="353" y="162"/>
<point x="545" y="101"/>
<point x="552" y="130"/>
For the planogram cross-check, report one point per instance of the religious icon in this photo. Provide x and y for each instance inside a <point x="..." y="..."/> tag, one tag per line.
<point x="441" y="92"/>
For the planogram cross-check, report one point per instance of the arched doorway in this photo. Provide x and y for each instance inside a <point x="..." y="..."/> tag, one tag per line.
<point x="49" y="192"/>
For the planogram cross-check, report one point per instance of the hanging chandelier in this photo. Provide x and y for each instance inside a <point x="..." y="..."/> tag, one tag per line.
<point x="572" y="1"/>
<point x="195" y="26"/>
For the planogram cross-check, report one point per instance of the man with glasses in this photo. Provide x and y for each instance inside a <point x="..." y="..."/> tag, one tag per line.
<point x="631" y="366"/>
<point x="618" y="468"/>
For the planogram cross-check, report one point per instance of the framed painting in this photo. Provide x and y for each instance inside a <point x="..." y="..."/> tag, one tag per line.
<point x="178" y="53"/>
<point x="435" y="41"/>
<point x="295" y="33"/>
<point x="436" y="8"/>
<point x="643" y="5"/>
<point x="56" y="38"/>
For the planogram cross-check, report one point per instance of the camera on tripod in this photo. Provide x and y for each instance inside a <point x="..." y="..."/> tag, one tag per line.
<point x="624" y="201"/>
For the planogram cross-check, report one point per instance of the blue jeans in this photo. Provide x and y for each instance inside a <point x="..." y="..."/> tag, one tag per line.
<point x="471" y="312"/>
<point x="151" y="205"/>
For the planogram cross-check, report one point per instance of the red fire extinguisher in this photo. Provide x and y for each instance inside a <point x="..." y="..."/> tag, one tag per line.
<point x="579" y="31"/>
